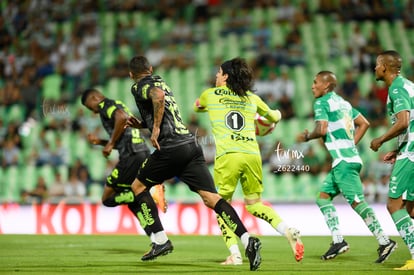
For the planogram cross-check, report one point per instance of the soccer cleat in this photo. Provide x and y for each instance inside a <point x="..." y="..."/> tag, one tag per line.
<point x="158" y="250"/>
<point x="335" y="250"/>
<point x="233" y="259"/>
<point x="159" y="197"/>
<point x="409" y="265"/>
<point x="253" y="253"/>
<point x="384" y="251"/>
<point x="293" y="236"/>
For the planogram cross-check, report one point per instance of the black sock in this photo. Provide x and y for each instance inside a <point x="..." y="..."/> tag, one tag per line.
<point x="145" y="209"/>
<point x="119" y="198"/>
<point x="146" y="228"/>
<point x="230" y="217"/>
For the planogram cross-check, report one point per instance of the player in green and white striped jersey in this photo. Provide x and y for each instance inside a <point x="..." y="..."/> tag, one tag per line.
<point x="400" y="107"/>
<point x="335" y="123"/>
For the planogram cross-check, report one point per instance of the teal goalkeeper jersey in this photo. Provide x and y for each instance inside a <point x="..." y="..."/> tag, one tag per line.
<point x="339" y="139"/>
<point x="400" y="98"/>
<point x="232" y="119"/>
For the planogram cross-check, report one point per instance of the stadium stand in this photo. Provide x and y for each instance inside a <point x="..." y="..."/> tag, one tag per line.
<point x="130" y="32"/>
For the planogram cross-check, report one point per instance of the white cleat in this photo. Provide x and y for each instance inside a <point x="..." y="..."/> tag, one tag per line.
<point x="233" y="259"/>
<point x="293" y="236"/>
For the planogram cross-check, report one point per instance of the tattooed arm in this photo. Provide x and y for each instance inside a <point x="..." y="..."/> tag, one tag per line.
<point x="321" y="127"/>
<point x="157" y="96"/>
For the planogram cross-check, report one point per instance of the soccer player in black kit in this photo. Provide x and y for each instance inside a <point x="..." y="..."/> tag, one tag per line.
<point x="176" y="154"/>
<point x="131" y="147"/>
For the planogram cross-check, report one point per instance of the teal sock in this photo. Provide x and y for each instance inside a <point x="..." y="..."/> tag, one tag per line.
<point x="405" y="228"/>
<point x="331" y="218"/>
<point x="370" y="219"/>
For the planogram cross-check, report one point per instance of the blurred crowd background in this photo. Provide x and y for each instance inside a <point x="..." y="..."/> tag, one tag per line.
<point x="51" y="50"/>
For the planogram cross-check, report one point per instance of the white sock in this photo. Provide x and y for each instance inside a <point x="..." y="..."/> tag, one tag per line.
<point x="160" y="237"/>
<point x="281" y="228"/>
<point x="152" y="237"/>
<point x="383" y="239"/>
<point x="245" y="239"/>
<point x="337" y="237"/>
<point x="234" y="249"/>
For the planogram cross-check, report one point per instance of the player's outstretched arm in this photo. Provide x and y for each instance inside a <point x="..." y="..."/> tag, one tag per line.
<point x="93" y="139"/>
<point x="197" y="107"/>
<point x="274" y="116"/>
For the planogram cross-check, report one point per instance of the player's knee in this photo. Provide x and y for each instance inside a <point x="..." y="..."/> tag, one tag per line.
<point x="323" y="201"/>
<point x="251" y="208"/>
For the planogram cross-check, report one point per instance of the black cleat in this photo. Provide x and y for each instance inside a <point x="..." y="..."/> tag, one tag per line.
<point x="253" y="253"/>
<point x="384" y="251"/>
<point x="335" y="250"/>
<point x="158" y="250"/>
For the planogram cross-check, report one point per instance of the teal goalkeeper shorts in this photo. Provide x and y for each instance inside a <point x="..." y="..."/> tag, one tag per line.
<point x="232" y="167"/>
<point x="401" y="179"/>
<point x="344" y="178"/>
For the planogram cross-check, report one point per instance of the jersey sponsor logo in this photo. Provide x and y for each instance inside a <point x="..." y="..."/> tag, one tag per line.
<point x="395" y="91"/>
<point x="223" y="92"/>
<point x="230" y="103"/>
<point x="239" y="137"/>
<point x="398" y="102"/>
<point x="393" y="184"/>
<point x="318" y="112"/>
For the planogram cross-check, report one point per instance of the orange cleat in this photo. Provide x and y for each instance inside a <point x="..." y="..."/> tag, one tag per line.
<point x="159" y="197"/>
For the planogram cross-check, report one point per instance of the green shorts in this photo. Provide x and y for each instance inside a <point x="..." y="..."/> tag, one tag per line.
<point x="232" y="167"/>
<point x="401" y="179"/>
<point x="344" y="178"/>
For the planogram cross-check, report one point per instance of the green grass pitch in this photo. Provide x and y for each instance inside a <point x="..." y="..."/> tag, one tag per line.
<point x="120" y="254"/>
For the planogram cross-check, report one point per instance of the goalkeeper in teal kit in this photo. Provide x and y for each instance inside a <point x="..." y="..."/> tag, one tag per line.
<point x="232" y="107"/>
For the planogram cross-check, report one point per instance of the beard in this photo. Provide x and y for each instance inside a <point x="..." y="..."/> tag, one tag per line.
<point x="379" y="78"/>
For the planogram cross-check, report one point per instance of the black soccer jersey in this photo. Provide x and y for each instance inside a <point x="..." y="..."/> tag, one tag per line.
<point x="130" y="141"/>
<point x="172" y="129"/>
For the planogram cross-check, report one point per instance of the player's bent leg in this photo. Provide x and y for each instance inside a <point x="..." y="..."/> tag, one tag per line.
<point x="409" y="205"/>
<point x="386" y="246"/>
<point x="146" y="210"/>
<point x="232" y="220"/>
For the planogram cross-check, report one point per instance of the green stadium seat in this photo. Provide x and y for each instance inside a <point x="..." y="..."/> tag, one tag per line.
<point x="304" y="187"/>
<point x="16" y="113"/>
<point x="284" y="187"/>
<point x="3" y="185"/>
<point x="51" y="87"/>
<point x="28" y="177"/>
<point x="364" y="83"/>
<point x="48" y="173"/>
<point x="11" y="182"/>
<point x="95" y="192"/>
<point x="96" y="163"/>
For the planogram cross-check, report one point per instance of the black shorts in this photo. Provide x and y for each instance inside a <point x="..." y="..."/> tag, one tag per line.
<point x="126" y="171"/>
<point x="185" y="161"/>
